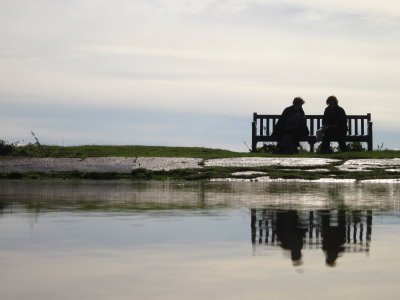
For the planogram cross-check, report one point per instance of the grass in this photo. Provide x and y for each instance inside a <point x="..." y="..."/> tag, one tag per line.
<point x="122" y="151"/>
<point x="162" y="151"/>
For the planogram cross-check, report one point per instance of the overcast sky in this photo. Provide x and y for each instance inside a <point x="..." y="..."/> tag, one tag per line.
<point x="191" y="72"/>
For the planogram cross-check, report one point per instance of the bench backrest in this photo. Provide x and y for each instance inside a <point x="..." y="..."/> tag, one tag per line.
<point x="359" y="125"/>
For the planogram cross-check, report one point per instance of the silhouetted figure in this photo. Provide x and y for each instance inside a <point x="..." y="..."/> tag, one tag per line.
<point x="253" y="225"/>
<point x="290" y="127"/>
<point x="334" y="124"/>
<point x="3" y="205"/>
<point x="335" y="232"/>
<point x="333" y="236"/>
<point x="290" y="234"/>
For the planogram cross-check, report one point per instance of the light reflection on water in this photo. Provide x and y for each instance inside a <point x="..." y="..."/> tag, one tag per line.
<point x="197" y="240"/>
<point x="159" y="195"/>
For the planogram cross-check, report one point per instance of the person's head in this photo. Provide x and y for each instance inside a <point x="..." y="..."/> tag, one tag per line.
<point x="332" y="100"/>
<point x="298" y="101"/>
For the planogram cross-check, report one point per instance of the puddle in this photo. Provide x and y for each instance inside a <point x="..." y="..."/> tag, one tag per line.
<point x="90" y="164"/>
<point x="353" y="165"/>
<point x="247" y="173"/>
<point x="166" y="163"/>
<point x="268" y="179"/>
<point x="267" y="161"/>
<point x="305" y="170"/>
<point x="381" y="181"/>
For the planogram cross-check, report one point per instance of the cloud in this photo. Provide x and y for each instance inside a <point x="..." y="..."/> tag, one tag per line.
<point x="214" y="57"/>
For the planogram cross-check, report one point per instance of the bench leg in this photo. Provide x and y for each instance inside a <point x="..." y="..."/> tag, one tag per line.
<point x="253" y="137"/>
<point x="370" y="136"/>
<point x="253" y="146"/>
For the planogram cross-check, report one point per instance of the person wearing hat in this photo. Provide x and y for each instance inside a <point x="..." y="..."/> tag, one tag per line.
<point x="334" y="124"/>
<point x="290" y="127"/>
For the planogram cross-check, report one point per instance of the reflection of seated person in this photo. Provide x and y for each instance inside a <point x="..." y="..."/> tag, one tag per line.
<point x="333" y="237"/>
<point x="290" y="127"/>
<point x="290" y="234"/>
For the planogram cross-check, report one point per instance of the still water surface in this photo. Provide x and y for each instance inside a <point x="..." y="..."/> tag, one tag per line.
<point x="198" y="240"/>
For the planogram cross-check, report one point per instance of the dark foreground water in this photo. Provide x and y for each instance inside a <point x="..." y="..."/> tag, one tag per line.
<point x="200" y="240"/>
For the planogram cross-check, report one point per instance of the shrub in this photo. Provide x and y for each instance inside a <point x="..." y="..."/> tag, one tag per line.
<point x="269" y="148"/>
<point x="6" y="148"/>
<point x="355" y="146"/>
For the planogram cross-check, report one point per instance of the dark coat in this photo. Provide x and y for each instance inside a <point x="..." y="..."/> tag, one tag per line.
<point x="335" y="117"/>
<point x="300" y="128"/>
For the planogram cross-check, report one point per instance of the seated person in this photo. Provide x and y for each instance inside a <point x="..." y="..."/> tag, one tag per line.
<point x="334" y="125"/>
<point x="290" y="127"/>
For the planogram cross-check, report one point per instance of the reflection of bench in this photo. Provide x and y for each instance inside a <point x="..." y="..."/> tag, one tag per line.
<point x="355" y="228"/>
<point x="360" y="129"/>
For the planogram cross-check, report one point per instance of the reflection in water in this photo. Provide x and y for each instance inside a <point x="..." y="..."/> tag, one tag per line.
<point x="190" y="240"/>
<point x="40" y="196"/>
<point x="333" y="231"/>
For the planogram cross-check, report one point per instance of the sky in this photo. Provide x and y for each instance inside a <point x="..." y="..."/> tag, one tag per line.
<point x="191" y="72"/>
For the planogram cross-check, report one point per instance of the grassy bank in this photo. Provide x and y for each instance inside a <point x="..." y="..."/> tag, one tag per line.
<point x="161" y="151"/>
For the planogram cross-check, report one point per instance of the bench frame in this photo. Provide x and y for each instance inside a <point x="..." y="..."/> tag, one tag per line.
<point x="360" y="129"/>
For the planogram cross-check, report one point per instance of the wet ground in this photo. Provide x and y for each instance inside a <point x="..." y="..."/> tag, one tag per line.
<point x="268" y="161"/>
<point x="391" y="165"/>
<point x="126" y="164"/>
<point x="123" y="164"/>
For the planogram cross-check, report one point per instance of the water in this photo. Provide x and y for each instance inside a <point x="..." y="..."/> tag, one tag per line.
<point x="198" y="240"/>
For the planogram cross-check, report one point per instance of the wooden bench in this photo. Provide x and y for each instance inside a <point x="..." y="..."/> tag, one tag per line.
<point x="360" y="129"/>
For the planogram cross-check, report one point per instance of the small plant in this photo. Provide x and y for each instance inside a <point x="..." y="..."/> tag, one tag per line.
<point x="35" y="149"/>
<point x="331" y="149"/>
<point x="269" y="148"/>
<point x="247" y="146"/>
<point x="355" y="147"/>
<point x="37" y="143"/>
<point x="351" y="147"/>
